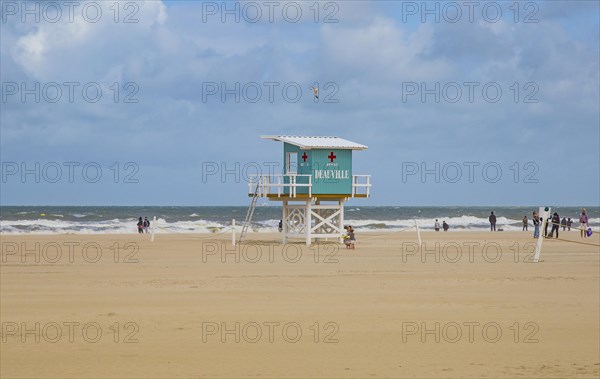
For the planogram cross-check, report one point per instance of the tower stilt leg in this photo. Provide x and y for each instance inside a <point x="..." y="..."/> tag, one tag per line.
<point x="285" y="224"/>
<point x="341" y="203"/>
<point x="308" y="222"/>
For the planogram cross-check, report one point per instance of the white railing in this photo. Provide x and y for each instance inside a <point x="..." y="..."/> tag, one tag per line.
<point x="275" y="184"/>
<point x="358" y="183"/>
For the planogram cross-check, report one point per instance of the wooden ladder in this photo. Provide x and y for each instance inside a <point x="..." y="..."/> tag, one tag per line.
<point x="250" y="213"/>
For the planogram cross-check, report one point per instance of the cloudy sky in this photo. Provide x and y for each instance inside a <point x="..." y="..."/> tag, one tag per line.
<point x="163" y="102"/>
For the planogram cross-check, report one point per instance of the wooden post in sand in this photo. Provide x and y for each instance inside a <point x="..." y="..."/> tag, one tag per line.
<point x="153" y="228"/>
<point x="538" y="247"/>
<point x="418" y="233"/>
<point x="544" y="213"/>
<point x="233" y="232"/>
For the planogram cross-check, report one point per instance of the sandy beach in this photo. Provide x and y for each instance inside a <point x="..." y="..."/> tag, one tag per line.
<point x="192" y="306"/>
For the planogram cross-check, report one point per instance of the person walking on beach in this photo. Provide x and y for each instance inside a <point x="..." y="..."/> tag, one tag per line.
<point x="280" y="226"/>
<point x="140" y="226"/>
<point x="445" y="226"/>
<point x="563" y="223"/>
<point x="583" y="223"/>
<point x="555" y="224"/>
<point x="536" y="225"/>
<point x="492" y="219"/>
<point x="146" y="224"/>
<point x="548" y="221"/>
<point x="436" y="226"/>
<point x="569" y="223"/>
<point x="525" y="223"/>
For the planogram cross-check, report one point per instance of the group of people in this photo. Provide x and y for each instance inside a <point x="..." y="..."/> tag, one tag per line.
<point x="564" y="223"/>
<point x="445" y="226"/>
<point x="143" y="225"/>
<point x="556" y="223"/>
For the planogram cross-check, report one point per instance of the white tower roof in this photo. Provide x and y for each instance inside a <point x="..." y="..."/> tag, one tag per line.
<point x="317" y="142"/>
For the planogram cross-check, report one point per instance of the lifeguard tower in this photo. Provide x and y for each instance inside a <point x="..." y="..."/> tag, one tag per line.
<point x="316" y="182"/>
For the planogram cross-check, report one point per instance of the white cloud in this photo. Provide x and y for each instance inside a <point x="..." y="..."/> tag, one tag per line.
<point x="49" y="50"/>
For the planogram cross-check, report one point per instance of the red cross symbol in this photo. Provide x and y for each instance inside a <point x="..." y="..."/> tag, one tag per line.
<point x="331" y="156"/>
<point x="304" y="156"/>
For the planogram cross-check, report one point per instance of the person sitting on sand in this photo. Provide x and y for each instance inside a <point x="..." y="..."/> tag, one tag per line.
<point x="346" y="237"/>
<point x="351" y="237"/>
<point x="445" y="226"/>
<point x="436" y="226"/>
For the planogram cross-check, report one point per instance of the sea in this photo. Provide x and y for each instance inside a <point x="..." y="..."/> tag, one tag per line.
<point x="207" y="219"/>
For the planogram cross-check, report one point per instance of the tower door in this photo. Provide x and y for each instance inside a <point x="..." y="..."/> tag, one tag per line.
<point x="291" y="164"/>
